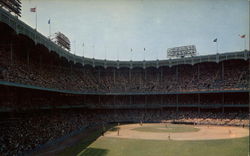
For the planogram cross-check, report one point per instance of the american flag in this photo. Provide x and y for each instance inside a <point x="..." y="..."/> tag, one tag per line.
<point x="242" y="36"/>
<point x="32" y="9"/>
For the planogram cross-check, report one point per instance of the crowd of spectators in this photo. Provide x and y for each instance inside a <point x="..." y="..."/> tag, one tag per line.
<point x="25" y="132"/>
<point x="230" y="75"/>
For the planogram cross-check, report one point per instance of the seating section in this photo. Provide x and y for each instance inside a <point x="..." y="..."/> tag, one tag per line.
<point x="22" y="133"/>
<point x="229" y="75"/>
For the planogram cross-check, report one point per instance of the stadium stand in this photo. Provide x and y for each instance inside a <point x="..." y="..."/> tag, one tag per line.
<point x="24" y="132"/>
<point x="47" y="93"/>
<point x="204" y="76"/>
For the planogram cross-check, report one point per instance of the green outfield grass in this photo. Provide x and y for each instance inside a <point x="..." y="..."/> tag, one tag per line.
<point x="173" y="128"/>
<point x="106" y="146"/>
<point x="134" y="147"/>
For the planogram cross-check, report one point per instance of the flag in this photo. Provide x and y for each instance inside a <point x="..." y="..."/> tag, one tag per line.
<point x="33" y="9"/>
<point x="49" y="21"/>
<point x="242" y="36"/>
<point x="215" y="40"/>
<point x="83" y="44"/>
<point x="144" y="49"/>
<point x="131" y="49"/>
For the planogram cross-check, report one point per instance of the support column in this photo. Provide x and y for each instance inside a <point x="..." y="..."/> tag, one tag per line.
<point x="84" y="99"/>
<point x="158" y="77"/>
<point x="99" y="100"/>
<point x="177" y="78"/>
<point x="145" y="107"/>
<point x="99" y="72"/>
<point x="11" y="53"/>
<point x="141" y="77"/>
<point x="198" y="70"/>
<point x="222" y="70"/>
<point x="248" y="87"/>
<point x="161" y="75"/>
<point x="249" y="99"/>
<point x="114" y="75"/>
<point x="177" y="102"/>
<point x="51" y="65"/>
<point x="223" y="102"/>
<point x="161" y="105"/>
<point x="129" y="75"/>
<point x="130" y="100"/>
<point x="161" y="100"/>
<point x="177" y="73"/>
<point x="40" y="62"/>
<point x="28" y="58"/>
<point x="199" y="103"/>
<point x="83" y="102"/>
<point x="71" y="68"/>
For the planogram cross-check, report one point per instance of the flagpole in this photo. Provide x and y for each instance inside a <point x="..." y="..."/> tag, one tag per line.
<point x="75" y="47"/>
<point x="245" y="44"/>
<point x="131" y="54"/>
<point x="217" y="46"/>
<point x="49" y="28"/>
<point x="93" y="51"/>
<point x="105" y="52"/>
<point x="83" y="49"/>
<point x="144" y="53"/>
<point x="117" y="54"/>
<point x="36" y="18"/>
<point x="157" y="56"/>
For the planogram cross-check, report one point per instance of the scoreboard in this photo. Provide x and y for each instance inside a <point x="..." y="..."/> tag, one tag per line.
<point x="13" y="6"/>
<point x="181" y="52"/>
<point x="61" y="40"/>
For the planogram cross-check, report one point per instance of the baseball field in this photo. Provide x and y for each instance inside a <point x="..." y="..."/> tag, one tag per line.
<point x="160" y="139"/>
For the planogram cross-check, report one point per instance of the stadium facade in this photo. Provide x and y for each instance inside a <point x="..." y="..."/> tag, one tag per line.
<point x="47" y="92"/>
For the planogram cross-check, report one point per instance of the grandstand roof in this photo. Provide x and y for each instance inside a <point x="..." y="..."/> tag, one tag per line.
<point x="21" y="28"/>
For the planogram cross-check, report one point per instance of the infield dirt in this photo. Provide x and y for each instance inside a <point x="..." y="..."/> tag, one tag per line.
<point x="204" y="133"/>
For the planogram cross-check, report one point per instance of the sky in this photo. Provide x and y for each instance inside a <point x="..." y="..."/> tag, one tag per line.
<point x="110" y="28"/>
